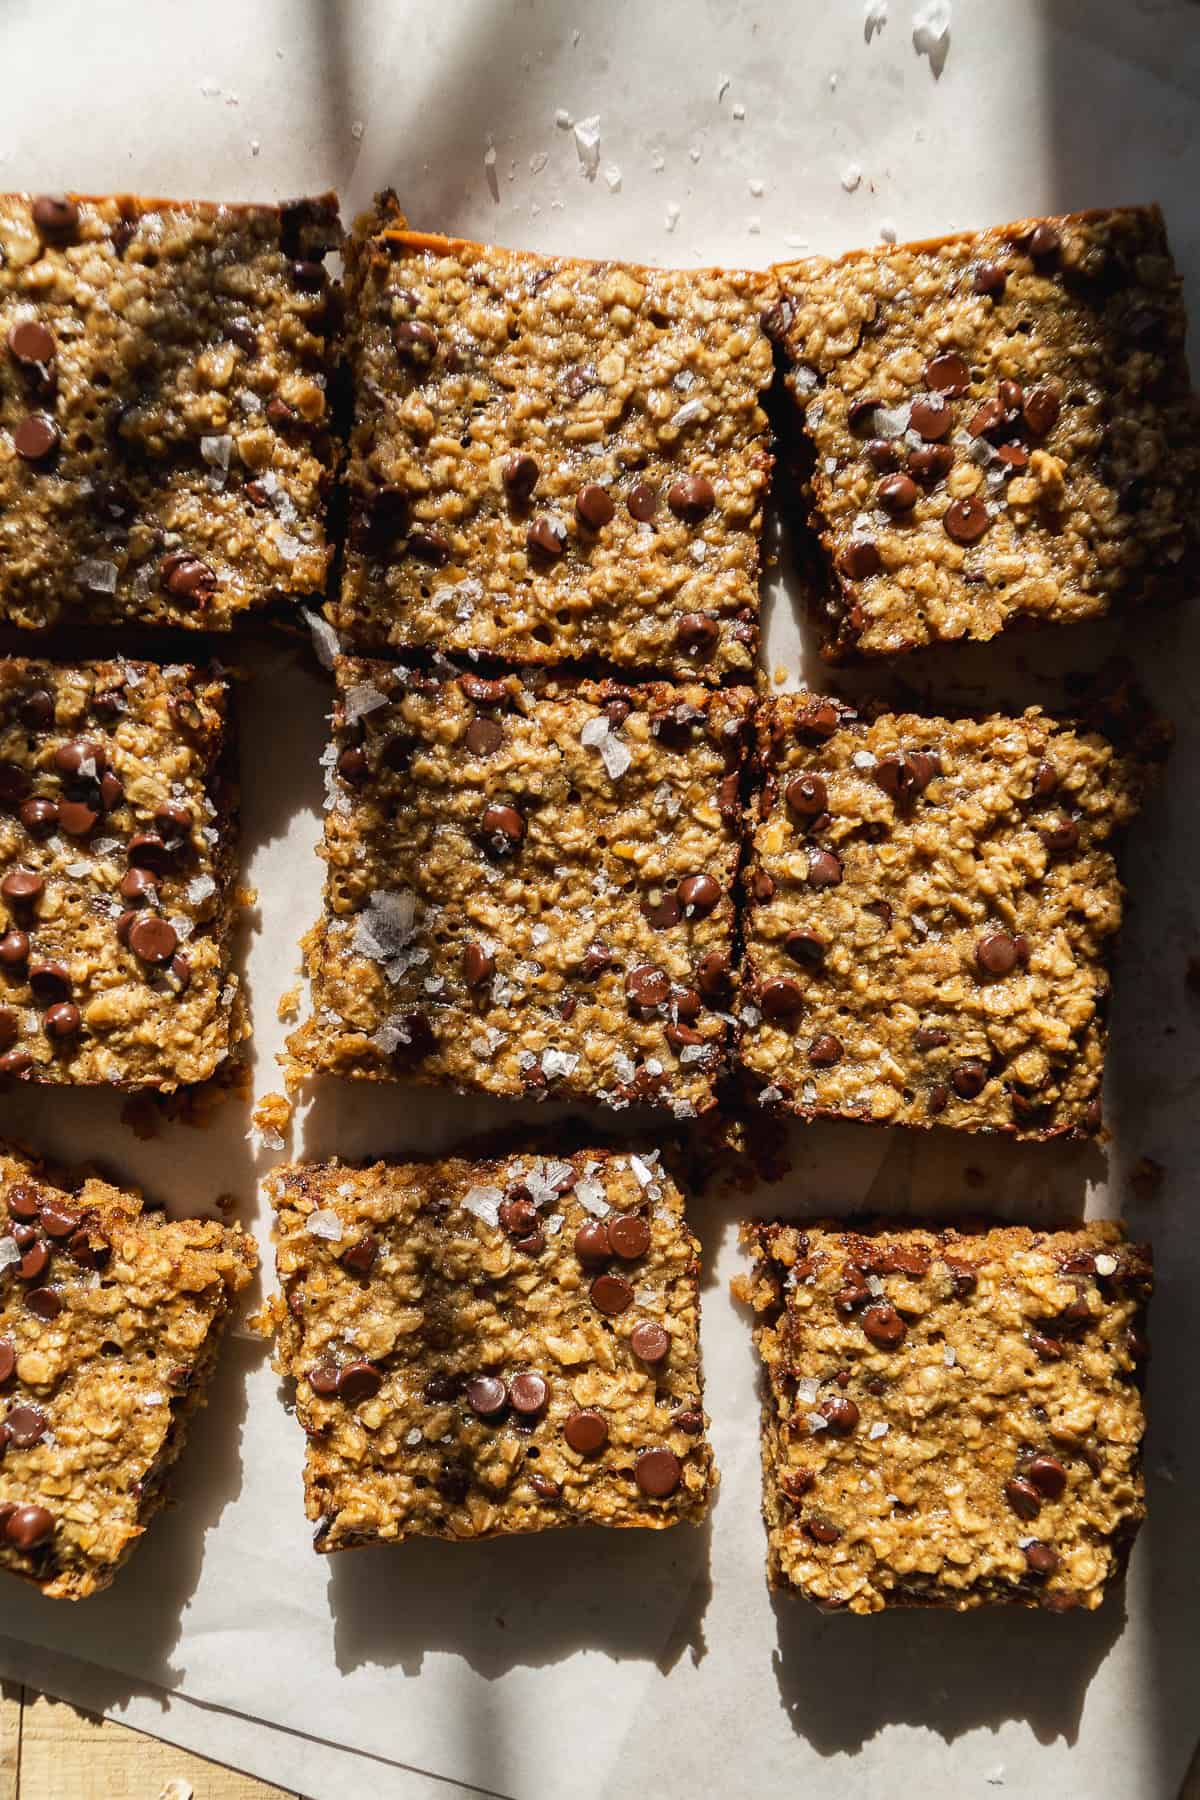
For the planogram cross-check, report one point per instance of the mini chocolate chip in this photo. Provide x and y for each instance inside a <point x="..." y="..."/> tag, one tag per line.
<point x="807" y="795"/>
<point x="544" y="1488"/>
<point x="309" y="277"/>
<point x="35" y="1260"/>
<point x="487" y="1396"/>
<point x="10" y="1027"/>
<point x="932" y="416"/>
<point x="897" y="493"/>
<point x="990" y="278"/>
<point x="77" y="818"/>
<point x="14" y="949"/>
<point x="987" y="419"/>
<point x="658" y="1473"/>
<point x="825" y="1050"/>
<point x="1047" y="1348"/>
<point x="647" y="986"/>
<point x="39" y="815"/>
<point x="57" y="1222"/>
<point x="930" y="463"/>
<point x="859" y="560"/>
<point x="1048" y="1476"/>
<point x="996" y="953"/>
<point x="882" y="456"/>
<point x="629" y="1236"/>
<point x="1043" y="242"/>
<point x="699" y="894"/>
<point x="56" y="216"/>
<point x="188" y="577"/>
<point x="37" y="709"/>
<point x="611" y="1294"/>
<point x="591" y="1243"/>
<point x="840" y="1415"/>
<point x="969" y="1080"/>
<point x="62" y="1021"/>
<point x="482" y="691"/>
<point x="49" y="981"/>
<point x="503" y="828"/>
<point x="930" y="1037"/>
<point x="153" y="938"/>
<point x="1061" y="836"/>
<point x="31" y="342"/>
<point x="27" y="1425"/>
<point x="697" y="633"/>
<point x="8" y="1360"/>
<point x="1012" y="397"/>
<point x="36" y="437"/>
<point x="643" y="502"/>
<point x="479" y="965"/>
<point x="763" y="886"/>
<point x="112" y="793"/>
<point x="21" y="887"/>
<point x="29" y="1527"/>
<point x="415" y="340"/>
<point x="805" y="947"/>
<point x="360" y="1257"/>
<point x="1041" y="1559"/>
<point x="1023" y="1497"/>
<point x="586" y="1431"/>
<point x="860" y="414"/>
<point x="963" y="1276"/>
<point x="528" y="1393"/>
<point x="15" y="1063"/>
<point x="822" y="1531"/>
<point x="650" y="1341"/>
<point x="948" y="374"/>
<point x="662" y="909"/>
<point x="824" y="869"/>
<point x="520" y="475"/>
<point x="546" y="537"/>
<point x="594" y="506"/>
<point x="483" y="737"/>
<point x="1040" y="410"/>
<point x="596" y="959"/>
<point x="323" y="1379"/>
<point x="712" y="974"/>
<point x="691" y="498"/>
<point x="353" y="766"/>
<point x="965" y="521"/>
<point x="883" y="1325"/>
<point x="780" y="998"/>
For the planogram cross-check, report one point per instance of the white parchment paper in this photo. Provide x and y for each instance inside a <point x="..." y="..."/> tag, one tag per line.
<point x="579" y="1666"/>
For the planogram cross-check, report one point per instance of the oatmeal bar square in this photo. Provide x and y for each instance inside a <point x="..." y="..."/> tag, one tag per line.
<point x="950" y="1417"/>
<point x="110" y="1321"/>
<point x="483" y="1347"/>
<point x="528" y="890"/>
<point x="553" y="460"/>
<point x="930" y="906"/>
<point x="164" y="439"/>
<point x="118" y="818"/>
<point x="1001" y="427"/>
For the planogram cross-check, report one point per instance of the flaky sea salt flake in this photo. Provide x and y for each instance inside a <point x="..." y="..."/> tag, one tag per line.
<point x="587" y="145"/>
<point x="484" y="1203"/>
<point x="931" y="33"/>
<point x="324" y="1224"/>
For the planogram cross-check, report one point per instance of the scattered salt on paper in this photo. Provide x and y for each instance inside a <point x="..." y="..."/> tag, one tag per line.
<point x="887" y="231"/>
<point x="931" y="34"/>
<point x="324" y="1224"/>
<point x="851" y="176"/>
<point x="671" y="219"/>
<point x="562" y="119"/>
<point x="587" y="145"/>
<point x="612" y="176"/>
<point x="875" y="15"/>
<point x="739" y="111"/>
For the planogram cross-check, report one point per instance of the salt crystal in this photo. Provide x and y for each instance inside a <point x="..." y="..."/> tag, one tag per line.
<point x="683" y="1109"/>
<point x="9" y="1253"/>
<point x="757" y="188"/>
<point x="324" y="1224"/>
<point x="643" y="1170"/>
<point x="887" y="231"/>
<point x="817" y="1421"/>
<point x="484" y="1202"/>
<point x="931" y="33"/>
<point x="553" y="1225"/>
<point x="890" y="421"/>
<point x="559" y="1062"/>
<point x="591" y="1196"/>
<point x="769" y="1095"/>
<point x="97" y="575"/>
<point x="325" y="639"/>
<point x="879" y="1429"/>
<point x="587" y="145"/>
<point x="739" y="111"/>
<point x="948" y="1356"/>
<point x="683" y="415"/>
<point x="1106" y="1264"/>
<point x="875" y="17"/>
<point x="863" y="759"/>
<point x="807" y="1389"/>
<point x="562" y="119"/>
<point x="414" y="1437"/>
<point x="612" y="176"/>
<point x="200" y="889"/>
<point x="874" y="1286"/>
<point x="78" y="869"/>
<point x="216" y="451"/>
<point x="671" y="219"/>
<point x="851" y="176"/>
<point x="361" y="699"/>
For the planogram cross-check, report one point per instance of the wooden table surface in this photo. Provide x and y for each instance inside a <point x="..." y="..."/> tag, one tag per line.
<point x="51" y="1751"/>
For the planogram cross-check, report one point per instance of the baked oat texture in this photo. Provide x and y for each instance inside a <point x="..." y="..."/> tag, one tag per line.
<point x="110" y="1320"/>
<point x="949" y="1418"/>
<point x="528" y="891"/>
<point x="1001" y="427"/>
<point x="930" y="908"/>
<point x="118" y="824"/>
<point x="164" y="440"/>
<point x="486" y="1347"/>
<point x="553" y="460"/>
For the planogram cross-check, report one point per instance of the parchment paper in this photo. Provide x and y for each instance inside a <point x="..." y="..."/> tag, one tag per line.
<point x="575" y="1665"/>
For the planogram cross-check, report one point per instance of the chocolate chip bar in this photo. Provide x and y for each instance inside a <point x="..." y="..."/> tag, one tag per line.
<point x="118" y="809"/>
<point x="553" y="460"/>
<point x="483" y="1347"/>
<point x="110" y="1320"/>
<point x="1000" y="425"/>
<point x="529" y="889"/>
<point x="950" y="1418"/>
<point x="930" y="907"/>
<point x="164" y="437"/>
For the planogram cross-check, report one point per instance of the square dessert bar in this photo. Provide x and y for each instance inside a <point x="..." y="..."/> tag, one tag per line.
<point x="1001" y="427"/>
<point x="491" y="1346"/>
<point x="553" y="460"/>
<point x="528" y="890"/>
<point x="118" y="819"/>
<point x="164" y="438"/>
<point x="930" y="907"/>
<point x="110" y="1320"/>
<point x="950" y="1418"/>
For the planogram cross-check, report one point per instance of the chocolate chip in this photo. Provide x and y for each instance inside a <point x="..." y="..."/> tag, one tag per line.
<point x="1048" y="1476"/>
<point x="14" y="949"/>
<point x="858" y="560"/>
<point x="520" y="475"/>
<point x="712" y="974"/>
<point x="544" y="1488"/>
<point x="658" y="1473"/>
<point x="29" y="1527"/>
<point x="77" y="818"/>
<point x="36" y="437"/>
<point x="1023" y="1497"/>
<point x="780" y="998"/>
<point x="650" y="1341"/>
<point x="360" y="1257"/>
<point x="10" y="1027"/>
<point x="430" y="546"/>
<point x="824" y="869"/>
<point x="39" y="815"/>
<point x="483" y="737"/>
<point x="1041" y="1559"/>
<point x="662" y="909"/>
<point x="1043" y="242"/>
<point x="487" y="1396"/>
<point x="27" y="1425"/>
<point x="44" y="1303"/>
<point x="1012" y="398"/>
<point x="479" y="965"/>
<point x="969" y="1080"/>
<point x="933" y="417"/>
<point x="323" y="1379"/>
<point x="415" y="341"/>
<point x="897" y="493"/>
<point x="647" y="986"/>
<point x="840" y="1415"/>
<point x="904" y="774"/>
<point x="21" y="887"/>
<point x="173" y="821"/>
<point x="1061" y="836"/>
<point x="987" y="419"/>
<point x="503" y="829"/>
<point x="586" y="1431"/>
<point x="594" y="506"/>
<point x="153" y="938"/>
<point x="1047" y="1348"/>
<point x="15" y="1063"/>
<point x="62" y="1021"/>
<point x="990" y="278"/>
<point x="965" y="521"/>
<point x="643" y="502"/>
<point x="931" y="463"/>
<point x="963" y="1276"/>
<point x="591" y="1243"/>
<point x="930" y="1037"/>
<point x="697" y="633"/>
<point x="699" y="894"/>
<point x="37" y="709"/>
<point x="860" y="414"/>
<point x="309" y="277"/>
<point x="146" y="850"/>
<point x="23" y="1201"/>
<point x="31" y="342"/>
<point x="611" y="1294"/>
<point x="822" y="1531"/>
<point x="49" y="981"/>
<point x="546" y="537"/>
<point x="805" y="947"/>
<point x="1040" y="410"/>
<point x="948" y="374"/>
<point x="187" y="577"/>
<point x="691" y="498"/>
<point x="825" y="1050"/>
<point x="996" y="953"/>
<point x="529" y="1393"/>
<point x="762" y="886"/>
<point x="55" y="216"/>
<point x="15" y="785"/>
<point x="629" y="1236"/>
<point x="882" y="456"/>
<point x="884" y="1326"/>
<point x="596" y="959"/>
<point x="807" y="795"/>
<point x="8" y="1360"/>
